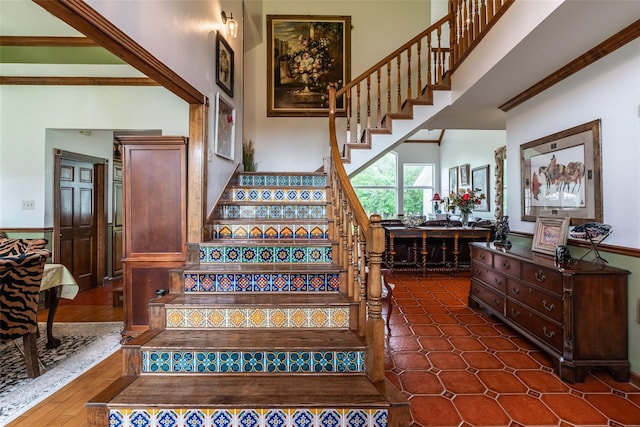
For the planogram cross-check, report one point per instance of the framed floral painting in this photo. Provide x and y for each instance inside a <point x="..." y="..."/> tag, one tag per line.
<point x="304" y="55"/>
<point x="225" y="128"/>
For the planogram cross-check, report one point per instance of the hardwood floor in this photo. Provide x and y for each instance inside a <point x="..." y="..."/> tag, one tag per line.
<point x="457" y="366"/>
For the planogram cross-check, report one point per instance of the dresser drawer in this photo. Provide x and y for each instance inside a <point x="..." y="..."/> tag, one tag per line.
<point x="489" y="277"/>
<point x="543" y="302"/>
<point x="506" y="265"/>
<point x="544" y="277"/>
<point x="488" y="297"/>
<point x="482" y="256"/>
<point x="546" y="330"/>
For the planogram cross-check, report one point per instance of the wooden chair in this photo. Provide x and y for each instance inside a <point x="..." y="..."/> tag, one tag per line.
<point x="21" y="268"/>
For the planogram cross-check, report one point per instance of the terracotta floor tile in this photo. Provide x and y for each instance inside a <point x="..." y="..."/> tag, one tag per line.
<point x="434" y="411"/>
<point x="481" y="411"/>
<point x="544" y="382"/>
<point x="527" y="410"/>
<point x="542" y="358"/>
<point x="461" y="382"/>
<point x="469" y="319"/>
<point x="466" y="344"/>
<point x="497" y="343"/>
<point x="418" y="319"/>
<point x="435" y="343"/>
<point x="606" y="378"/>
<point x="446" y="360"/>
<point x="523" y="343"/>
<point x="454" y="330"/>
<point x="484" y="330"/>
<point x="410" y="360"/>
<point x="404" y="343"/>
<point x="412" y="310"/>
<point x="450" y="302"/>
<point x="517" y="360"/>
<point x="591" y="385"/>
<point x="481" y="360"/>
<point x="420" y="382"/>
<point x="501" y="382"/>
<point x="444" y="319"/>
<point x="400" y="330"/>
<point x="426" y="331"/>
<point x="616" y="408"/>
<point x="573" y="409"/>
<point x="436" y="310"/>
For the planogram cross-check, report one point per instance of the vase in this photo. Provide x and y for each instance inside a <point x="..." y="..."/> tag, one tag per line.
<point x="464" y="218"/>
<point x="305" y="80"/>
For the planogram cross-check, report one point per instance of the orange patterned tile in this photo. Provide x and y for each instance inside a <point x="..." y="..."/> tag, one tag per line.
<point x="616" y="408"/>
<point x="517" y="360"/>
<point x="446" y="360"/>
<point x="419" y="382"/>
<point x="410" y="360"/>
<point x="544" y="382"/>
<point x="466" y="343"/>
<point x="501" y="382"/>
<point x="482" y="360"/>
<point x="434" y="343"/>
<point x="404" y="343"/>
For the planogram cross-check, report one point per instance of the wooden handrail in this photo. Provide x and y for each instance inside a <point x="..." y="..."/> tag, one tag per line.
<point x="360" y="240"/>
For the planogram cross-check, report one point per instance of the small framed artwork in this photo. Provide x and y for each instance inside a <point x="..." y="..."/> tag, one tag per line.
<point x="304" y="54"/>
<point x="225" y="128"/>
<point x="224" y="65"/>
<point x="480" y="181"/>
<point x="464" y="175"/>
<point x="561" y="175"/>
<point x="549" y="234"/>
<point x="453" y="180"/>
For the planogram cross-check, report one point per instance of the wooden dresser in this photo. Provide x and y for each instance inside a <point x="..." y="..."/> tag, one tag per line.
<point x="578" y="315"/>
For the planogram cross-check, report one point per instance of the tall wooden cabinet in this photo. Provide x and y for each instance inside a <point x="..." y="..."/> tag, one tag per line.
<point x="154" y="228"/>
<point x="577" y="315"/>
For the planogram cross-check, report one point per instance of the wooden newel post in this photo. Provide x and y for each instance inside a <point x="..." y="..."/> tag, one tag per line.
<point x="375" y="322"/>
<point x="332" y="98"/>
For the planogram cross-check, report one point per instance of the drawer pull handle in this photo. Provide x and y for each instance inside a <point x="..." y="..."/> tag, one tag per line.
<point x="548" y="307"/>
<point x="497" y="280"/>
<point x="540" y="277"/>
<point x="516" y="291"/>
<point x="547" y="333"/>
<point x="496" y="302"/>
<point x="482" y="256"/>
<point x="506" y="265"/>
<point x="515" y="312"/>
<point x="478" y="271"/>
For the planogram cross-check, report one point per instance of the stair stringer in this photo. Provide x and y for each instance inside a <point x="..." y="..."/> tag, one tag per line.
<point x="400" y="127"/>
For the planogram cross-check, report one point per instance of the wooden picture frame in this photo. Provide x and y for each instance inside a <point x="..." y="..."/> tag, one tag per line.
<point x="464" y="175"/>
<point x="453" y="180"/>
<point x="304" y="54"/>
<point x="549" y="234"/>
<point x="561" y="175"/>
<point x="225" y="64"/>
<point x="225" y="128"/>
<point x="480" y="180"/>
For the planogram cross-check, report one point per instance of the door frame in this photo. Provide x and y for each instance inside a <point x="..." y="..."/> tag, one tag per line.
<point x="101" y="175"/>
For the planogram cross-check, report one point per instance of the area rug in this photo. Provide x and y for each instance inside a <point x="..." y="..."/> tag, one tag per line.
<point x="82" y="345"/>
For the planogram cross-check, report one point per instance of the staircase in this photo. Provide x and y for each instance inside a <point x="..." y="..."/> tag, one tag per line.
<point x="257" y="330"/>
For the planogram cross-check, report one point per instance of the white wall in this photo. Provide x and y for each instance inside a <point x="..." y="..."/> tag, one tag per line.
<point x="29" y="111"/>
<point x="297" y="143"/>
<point x="608" y="90"/>
<point x="475" y="147"/>
<point x="190" y="52"/>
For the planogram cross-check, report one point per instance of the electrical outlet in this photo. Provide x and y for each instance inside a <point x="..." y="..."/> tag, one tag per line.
<point x="28" y="205"/>
<point x="210" y="156"/>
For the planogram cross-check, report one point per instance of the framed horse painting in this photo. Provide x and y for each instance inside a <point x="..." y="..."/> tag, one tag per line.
<point x="561" y="175"/>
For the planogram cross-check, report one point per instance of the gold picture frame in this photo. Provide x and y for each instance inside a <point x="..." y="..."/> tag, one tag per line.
<point x="549" y="234"/>
<point x="561" y="175"/>
<point x="304" y="54"/>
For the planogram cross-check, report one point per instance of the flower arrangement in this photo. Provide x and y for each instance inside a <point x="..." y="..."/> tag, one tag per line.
<point x="466" y="200"/>
<point x="311" y="62"/>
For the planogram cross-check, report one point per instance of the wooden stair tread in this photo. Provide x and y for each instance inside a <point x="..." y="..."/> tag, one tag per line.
<point x="301" y="268"/>
<point x="276" y="340"/>
<point x="256" y="299"/>
<point x="255" y="391"/>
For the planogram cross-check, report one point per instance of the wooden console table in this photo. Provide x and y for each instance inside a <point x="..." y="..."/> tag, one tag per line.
<point x="446" y="239"/>
<point x="58" y="281"/>
<point x="577" y="314"/>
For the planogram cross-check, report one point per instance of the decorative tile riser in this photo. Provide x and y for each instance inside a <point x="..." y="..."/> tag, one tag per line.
<point x="251" y="317"/>
<point x="245" y="362"/>
<point x="283" y="180"/>
<point x="300" y="417"/>
<point x="261" y="282"/>
<point x="270" y="231"/>
<point x="265" y="254"/>
<point x="272" y="212"/>
<point x="274" y="195"/>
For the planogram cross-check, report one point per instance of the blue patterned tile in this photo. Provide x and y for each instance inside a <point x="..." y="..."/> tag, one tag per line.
<point x="329" y="417"/>
<point x="249" y="418"/>
<point x="140" y="418"/>
<point x="182" y="361"/>
<point x="206" y="362"/>
<point x="194" y="417"/>
<point x="302" y="418"/>
<point x="275" y="418"/>
<point x="300" y="361"/>
<point x="323" y="361"/>
<point x="221" y="418"/>
<point x="167" y="418"/>
<point x="229" y="362"/>
<point x="253" y="361"/>
<point x="356" y="418"/>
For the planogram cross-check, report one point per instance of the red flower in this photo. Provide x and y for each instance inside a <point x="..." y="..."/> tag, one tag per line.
<point x="466" y="196"/>
<point x="229" y="118"/>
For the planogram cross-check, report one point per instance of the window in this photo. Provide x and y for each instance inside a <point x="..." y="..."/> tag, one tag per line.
<point x="377" y="187"/>
<point x="418" y="190"/>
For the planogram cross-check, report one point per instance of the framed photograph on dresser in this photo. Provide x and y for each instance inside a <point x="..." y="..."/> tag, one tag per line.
<point x="549" y="234"/>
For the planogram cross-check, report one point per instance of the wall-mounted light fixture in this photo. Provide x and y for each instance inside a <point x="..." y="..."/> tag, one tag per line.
<point x="232" y="25"/>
